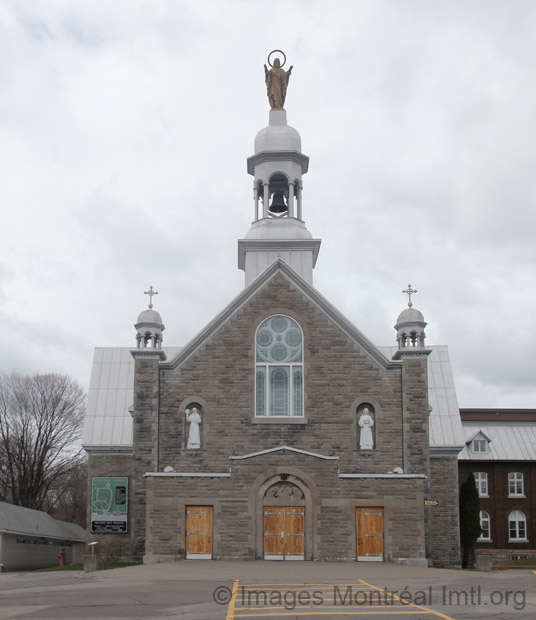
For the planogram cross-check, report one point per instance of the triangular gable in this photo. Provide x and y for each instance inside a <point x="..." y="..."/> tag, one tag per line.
<point x="479" y="433"/>
<point x="281" y="267"/>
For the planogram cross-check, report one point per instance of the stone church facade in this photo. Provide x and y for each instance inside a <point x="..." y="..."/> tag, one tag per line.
<point x="280" y="432"/>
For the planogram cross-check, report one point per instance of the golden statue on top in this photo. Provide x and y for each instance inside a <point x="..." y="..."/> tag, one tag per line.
<point x="277" y="81"/>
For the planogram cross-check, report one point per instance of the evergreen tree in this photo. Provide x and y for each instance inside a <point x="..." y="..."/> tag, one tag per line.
<point x="470" y="528"/>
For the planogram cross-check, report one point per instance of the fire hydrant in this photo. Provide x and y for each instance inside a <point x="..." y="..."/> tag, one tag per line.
<point x="61" y="557"/>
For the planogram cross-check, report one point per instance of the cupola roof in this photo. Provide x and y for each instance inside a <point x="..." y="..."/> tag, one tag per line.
<point x="278" y="136"/>
<point x="150" y="316"/>
<point x="410" y="316"/>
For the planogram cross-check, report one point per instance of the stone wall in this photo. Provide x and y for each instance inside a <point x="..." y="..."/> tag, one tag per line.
<point x="220" y="378"/>
<point x="338" y="376"/>
<point x="330" y="508"/>
<point x="445" y="517"/>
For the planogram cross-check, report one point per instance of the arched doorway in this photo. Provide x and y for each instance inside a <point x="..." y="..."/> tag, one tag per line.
<point x="284" y="522"/>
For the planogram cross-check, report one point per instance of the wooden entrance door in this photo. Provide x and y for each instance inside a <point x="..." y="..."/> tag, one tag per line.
<point x="284" y="533"/>
<point x="369" y="523"/>
<point x="198" y="532"/>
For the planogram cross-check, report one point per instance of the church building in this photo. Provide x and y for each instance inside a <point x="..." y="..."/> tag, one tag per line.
<point x="280" y="431"/>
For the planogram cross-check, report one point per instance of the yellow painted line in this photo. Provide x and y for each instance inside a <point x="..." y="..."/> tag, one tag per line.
<point x="305" y="585"/>
<point x="337" y="613"/>
<point x="429" y="611"/>
<point x="231" y="608"/>
<point x="310" y="605"/>
<point x="324" y="607"/>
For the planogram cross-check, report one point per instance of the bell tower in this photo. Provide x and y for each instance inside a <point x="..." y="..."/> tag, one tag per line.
<point x="278" y="229"/>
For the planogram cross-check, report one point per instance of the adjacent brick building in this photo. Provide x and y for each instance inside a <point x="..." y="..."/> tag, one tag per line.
<point x="280" y="431"/>
<point x="500" y="451"/>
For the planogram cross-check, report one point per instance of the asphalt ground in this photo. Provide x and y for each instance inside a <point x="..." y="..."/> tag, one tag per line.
<point x="205" y="590"/>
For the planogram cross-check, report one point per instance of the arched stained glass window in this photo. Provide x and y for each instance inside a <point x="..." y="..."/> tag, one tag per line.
<point x="279" y="367"/>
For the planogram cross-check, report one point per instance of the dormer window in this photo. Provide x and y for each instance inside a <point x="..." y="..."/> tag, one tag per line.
<point x="480" y="445"/>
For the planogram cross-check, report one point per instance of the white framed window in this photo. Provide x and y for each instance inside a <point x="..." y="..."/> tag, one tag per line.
<point x="485" y="522"/>
<point x="517" y="526"/>
<point x="279" y="368"/>
<point x="481" y="480"/>
<point x="515" y="485"/>
<point x="480" y="445"/>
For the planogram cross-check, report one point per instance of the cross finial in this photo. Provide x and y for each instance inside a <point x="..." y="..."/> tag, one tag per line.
<point x="151" y="293"/>
<point x="409" y="292"/>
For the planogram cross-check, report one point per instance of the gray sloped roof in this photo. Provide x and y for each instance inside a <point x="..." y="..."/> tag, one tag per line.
<point x="445" y="423"/>
<point x="108" y="422"/>
<point x="19" y="520"/>
<point x="514" y="441"/>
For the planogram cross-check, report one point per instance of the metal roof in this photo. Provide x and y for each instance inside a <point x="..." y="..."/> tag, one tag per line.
<point x="445" y="424"/>
<point x="28" y="522"/>
<point x="514" y="441"/>
<point x="108" y="422"/>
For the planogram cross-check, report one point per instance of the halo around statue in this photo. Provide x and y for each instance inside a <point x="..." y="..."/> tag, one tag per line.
<point x="275" y="52"/>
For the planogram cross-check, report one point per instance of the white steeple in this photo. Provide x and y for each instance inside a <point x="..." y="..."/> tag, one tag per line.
<point x="278" y="229"/>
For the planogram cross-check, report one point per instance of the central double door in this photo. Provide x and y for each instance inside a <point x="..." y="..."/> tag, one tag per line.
<point x="284" y="532"/>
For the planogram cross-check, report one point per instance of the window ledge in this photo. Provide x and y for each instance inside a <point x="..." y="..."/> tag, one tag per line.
<point x="518" y="540"/>
<point x="484" y="495"/>
<point x="517" y="496"/>
<point x="483" y="540"/>
<point x="279" y="419"/>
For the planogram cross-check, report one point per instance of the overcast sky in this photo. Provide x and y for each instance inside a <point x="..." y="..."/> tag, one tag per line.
<point x="124" y="132"/>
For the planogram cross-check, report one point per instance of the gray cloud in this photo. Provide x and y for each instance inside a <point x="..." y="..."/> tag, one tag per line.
<point x="124" y="133"/>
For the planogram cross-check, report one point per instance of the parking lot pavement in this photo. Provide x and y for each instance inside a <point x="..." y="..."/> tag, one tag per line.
<point x="204" y="590"/>
<point x="322" y="601"/>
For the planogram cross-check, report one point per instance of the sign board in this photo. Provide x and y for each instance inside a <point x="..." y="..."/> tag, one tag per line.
<point x="431" y="502"/>
<point x="109" y="503"/>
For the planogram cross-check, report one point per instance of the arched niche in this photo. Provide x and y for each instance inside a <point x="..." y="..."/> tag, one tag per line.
<point x="366" y="426"/>
<point x="189" y="404"/>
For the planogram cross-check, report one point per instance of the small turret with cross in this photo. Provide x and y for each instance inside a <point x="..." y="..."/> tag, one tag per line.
<point x="149" y="326"/>
<point x="410" y="329"/>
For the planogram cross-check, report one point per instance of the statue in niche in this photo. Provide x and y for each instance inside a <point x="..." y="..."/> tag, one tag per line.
<point x="366" y="422"/>
<point x="194" y="436"/>
<point x="276" y="83"/>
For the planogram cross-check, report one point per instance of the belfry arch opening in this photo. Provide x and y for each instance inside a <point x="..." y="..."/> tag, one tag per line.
<point x="280" y="197"/>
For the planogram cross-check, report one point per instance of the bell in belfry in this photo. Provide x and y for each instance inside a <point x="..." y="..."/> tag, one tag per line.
<point x="278" y="204"/>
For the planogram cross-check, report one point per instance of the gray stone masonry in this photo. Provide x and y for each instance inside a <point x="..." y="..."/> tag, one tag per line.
<point x="445" y="518"/>
<point x="145" y="449"/>
<point x="238" y="532"/>
<point x="338" y="377"/>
